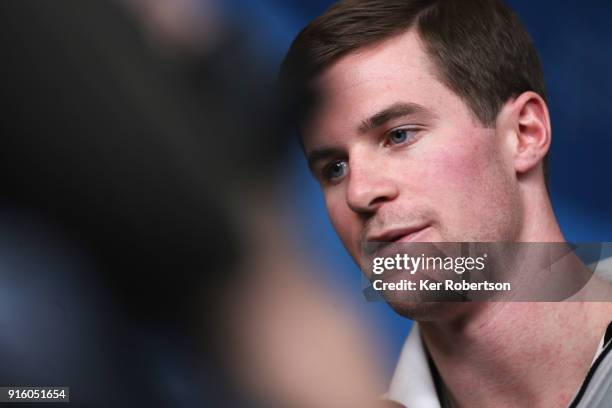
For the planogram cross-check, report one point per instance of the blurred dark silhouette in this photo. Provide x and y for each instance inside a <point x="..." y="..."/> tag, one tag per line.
<point x="119" y="160"/>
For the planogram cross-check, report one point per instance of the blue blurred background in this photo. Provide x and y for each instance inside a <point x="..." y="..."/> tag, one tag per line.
<point x="575" y="44"/>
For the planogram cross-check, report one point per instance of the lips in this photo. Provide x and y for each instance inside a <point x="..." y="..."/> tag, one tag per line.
<point x="380" y="243"/>
<point x="397" y="235"/>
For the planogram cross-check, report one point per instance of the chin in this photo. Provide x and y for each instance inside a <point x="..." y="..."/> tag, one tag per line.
<point x="427" y="311"/>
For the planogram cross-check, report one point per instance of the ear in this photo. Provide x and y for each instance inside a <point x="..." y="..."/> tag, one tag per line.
<point x="527" y="122"/>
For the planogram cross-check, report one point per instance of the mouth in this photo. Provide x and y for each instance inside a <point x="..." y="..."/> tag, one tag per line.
<point x="397" y="235"/>
<point x="379" y="241"/>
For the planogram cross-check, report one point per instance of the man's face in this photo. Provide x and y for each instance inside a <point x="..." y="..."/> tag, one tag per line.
<point x="401" y="158"/>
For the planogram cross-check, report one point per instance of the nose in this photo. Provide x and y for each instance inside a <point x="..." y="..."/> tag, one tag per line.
<point x="370" y="185"/>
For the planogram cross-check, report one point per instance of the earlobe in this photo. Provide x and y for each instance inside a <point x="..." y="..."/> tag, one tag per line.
<point x="532" y="131"/>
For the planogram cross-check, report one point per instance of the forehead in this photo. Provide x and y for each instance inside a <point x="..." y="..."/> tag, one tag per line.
<point x="364" y="82"/>
<point x="400" y="57"/>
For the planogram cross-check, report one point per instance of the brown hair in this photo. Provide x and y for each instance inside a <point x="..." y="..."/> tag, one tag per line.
<point x="479" y="48"/>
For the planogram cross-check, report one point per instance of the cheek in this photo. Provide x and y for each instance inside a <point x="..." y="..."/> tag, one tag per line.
<point x="448" y="169"/>
<point x="472" y="190"/>
<point x="459" y="169"/>
<point x="338" y="212"/>
<point x="343" y="220"/>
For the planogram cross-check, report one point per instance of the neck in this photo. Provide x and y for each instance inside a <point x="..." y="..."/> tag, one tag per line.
<point x="518" y="354"/>
<point x="539" y="221"/>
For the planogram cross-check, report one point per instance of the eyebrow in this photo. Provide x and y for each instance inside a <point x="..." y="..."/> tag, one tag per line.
<point x="397" y="110"/>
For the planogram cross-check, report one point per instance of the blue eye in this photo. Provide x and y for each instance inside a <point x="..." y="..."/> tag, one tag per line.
<point x="399" y="136"/>
<point x="335" y="170"/>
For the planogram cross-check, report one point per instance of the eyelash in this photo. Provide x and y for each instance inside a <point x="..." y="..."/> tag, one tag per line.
<point x="412" y="137"/>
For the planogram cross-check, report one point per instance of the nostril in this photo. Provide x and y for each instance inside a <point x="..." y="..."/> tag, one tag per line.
<point x="378" y="200"/>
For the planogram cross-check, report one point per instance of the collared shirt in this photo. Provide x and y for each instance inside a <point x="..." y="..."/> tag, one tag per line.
<point x="413" y="383"/>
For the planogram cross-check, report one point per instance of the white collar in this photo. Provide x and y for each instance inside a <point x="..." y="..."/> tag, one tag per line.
<point x="412" y="383"/>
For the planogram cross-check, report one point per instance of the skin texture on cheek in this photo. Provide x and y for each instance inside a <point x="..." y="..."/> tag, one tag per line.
<point x="345" y="222"/>
<point x="477" y="196"/>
